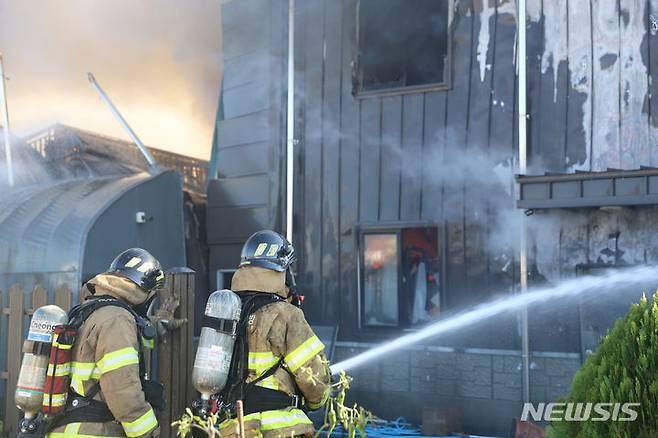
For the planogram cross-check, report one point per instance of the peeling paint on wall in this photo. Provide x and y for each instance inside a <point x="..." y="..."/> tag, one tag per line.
<point x="555" y="38"/>
<point x="634" y="85"/>
<point x="486" y="14"/>
<point x="580" y="74"/>
<point x="605" y="132"/>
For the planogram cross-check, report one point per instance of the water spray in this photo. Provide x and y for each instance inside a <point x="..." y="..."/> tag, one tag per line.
<point x="567" y="289"/>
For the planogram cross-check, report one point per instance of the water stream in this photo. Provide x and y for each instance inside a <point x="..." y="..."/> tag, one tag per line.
<point x="600" y="284"/>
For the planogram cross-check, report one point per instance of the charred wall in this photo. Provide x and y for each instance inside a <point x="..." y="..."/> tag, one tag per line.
<point x="441" y="158"/>
<point x="384" y="159"/>
<point x="381" y="159"/>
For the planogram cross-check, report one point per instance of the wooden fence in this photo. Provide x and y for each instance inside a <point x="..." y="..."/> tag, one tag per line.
<point x="172" y="359"/>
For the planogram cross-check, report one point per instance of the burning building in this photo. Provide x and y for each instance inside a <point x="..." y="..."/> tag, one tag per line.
<point x="404" y="203"/>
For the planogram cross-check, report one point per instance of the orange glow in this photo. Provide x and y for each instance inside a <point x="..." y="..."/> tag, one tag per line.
<point x="158" y="60"/>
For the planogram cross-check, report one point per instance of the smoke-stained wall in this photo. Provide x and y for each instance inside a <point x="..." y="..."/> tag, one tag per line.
<point x="444" y="158"/>
<point x="440" y="157"/>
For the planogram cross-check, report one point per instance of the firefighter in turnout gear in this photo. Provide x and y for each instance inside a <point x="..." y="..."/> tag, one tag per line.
<point x="288" y="373"/>
<point x="109" y="395"/>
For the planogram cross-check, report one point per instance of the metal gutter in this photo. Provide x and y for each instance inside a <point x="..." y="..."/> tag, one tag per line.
<point x="523" y="165"/>
<point x="5" y="123"/>
<point x="290" y="135"/>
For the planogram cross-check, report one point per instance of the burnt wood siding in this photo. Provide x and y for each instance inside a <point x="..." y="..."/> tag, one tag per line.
<point x="247" y="194"/>
<point x="592" y="105"/>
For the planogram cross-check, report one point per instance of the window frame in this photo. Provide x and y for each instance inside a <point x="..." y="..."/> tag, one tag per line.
<point x="446" y="85"/>
<point x="394" y="228"/>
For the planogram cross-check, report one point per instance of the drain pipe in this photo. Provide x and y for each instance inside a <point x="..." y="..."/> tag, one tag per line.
<point x="523" y="167"/>
<point x="5" y="123"/>
<point x="153" y="165"/>
<point x="290" y="134"/>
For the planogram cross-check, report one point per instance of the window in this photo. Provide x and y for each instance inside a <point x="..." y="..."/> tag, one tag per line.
<point x="403" y="45"/>
<point x="224" y="277"/>
<point x="400" y="276"/>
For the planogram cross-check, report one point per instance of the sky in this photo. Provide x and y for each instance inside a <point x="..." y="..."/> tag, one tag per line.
<point x="158" y="60"/>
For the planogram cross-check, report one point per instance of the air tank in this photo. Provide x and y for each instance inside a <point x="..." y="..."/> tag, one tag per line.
<point x="218" y="333"/>
<point x="36" y="349"/>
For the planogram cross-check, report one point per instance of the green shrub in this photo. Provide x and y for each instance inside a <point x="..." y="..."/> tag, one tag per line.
<point x="623" y="369"/>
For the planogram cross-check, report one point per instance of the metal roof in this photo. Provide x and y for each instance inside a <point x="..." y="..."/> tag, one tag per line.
<point x="75" y="152"/>
<point x="43" y="227"/>
<point x="612" y="187"/>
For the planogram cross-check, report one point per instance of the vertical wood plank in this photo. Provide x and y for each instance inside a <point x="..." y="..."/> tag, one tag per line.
<point x="501" y="142"/>
<point x="433" y="151"/>
<point x="177" y="350"/>
<point x="653" y="83"/>
<point x="534" y="53"/>
<point x="311" y="277"/>
<point x="349" y="176"/>
<point x="166" y="364"/>
<point x="370" y="166"/>
<point x="412" y="144"/>
<point x="391" y="137"/>
<point x="331" y="133"/>
<point x="274" y="23"/>
<point x="554" y="83"/>
<point x="501" y="139"/>
<point x="457" y="120"/>
<point x="63" y="297"/>
<point x="14" y="355"/>
<point x="191" y="351"/>
<point x="634" y="135"/>
<point x="480" y="185"/>
<point x="39" y="297"/>
<point x="605" y="124"/>
<point x="579" y="120"/>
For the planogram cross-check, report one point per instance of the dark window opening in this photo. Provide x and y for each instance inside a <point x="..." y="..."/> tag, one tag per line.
<point x="400" y="277"/>
<point x="224" y="277"/>
<point x="402" y="44"/>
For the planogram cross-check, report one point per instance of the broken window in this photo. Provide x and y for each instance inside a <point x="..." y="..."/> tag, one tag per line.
<point x="400" y="276"/>
<point x="403" y="45"/>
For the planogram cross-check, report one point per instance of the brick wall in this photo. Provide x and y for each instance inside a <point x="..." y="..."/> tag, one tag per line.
<point x="483" y="386"/>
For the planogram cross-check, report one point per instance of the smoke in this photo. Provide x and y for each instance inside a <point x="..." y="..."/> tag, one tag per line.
<point x="160" y="62"/>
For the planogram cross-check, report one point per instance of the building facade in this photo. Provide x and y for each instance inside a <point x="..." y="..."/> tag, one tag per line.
<point x="405" y="197"/>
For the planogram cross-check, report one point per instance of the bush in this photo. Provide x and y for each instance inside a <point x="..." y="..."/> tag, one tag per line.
<point x="623" y="369"/>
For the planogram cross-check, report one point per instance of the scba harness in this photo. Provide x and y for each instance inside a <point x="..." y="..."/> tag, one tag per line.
<point x="255" y="398"/>
<point x="61" y="403"/>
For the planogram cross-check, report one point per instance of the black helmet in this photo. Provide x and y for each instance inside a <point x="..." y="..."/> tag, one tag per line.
<point x="269" y="250"/>
<point x="139" y="266"/>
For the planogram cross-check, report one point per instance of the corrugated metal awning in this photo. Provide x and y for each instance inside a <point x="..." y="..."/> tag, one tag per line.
<point x="612" y="187"/>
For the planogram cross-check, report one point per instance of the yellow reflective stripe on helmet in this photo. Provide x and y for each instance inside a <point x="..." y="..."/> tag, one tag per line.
<point x="270" y="420"/>
<point x="305" y="352"/>
<point x="142" y="425"/>
<point x="118" y="359"/>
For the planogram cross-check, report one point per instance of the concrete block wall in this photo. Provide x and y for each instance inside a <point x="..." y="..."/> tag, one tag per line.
<point x="484" y="386"/>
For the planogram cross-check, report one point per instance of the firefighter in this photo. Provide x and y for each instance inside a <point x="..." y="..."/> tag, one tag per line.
<point x="109" y="395"/>
<point x="285" y="358"/>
